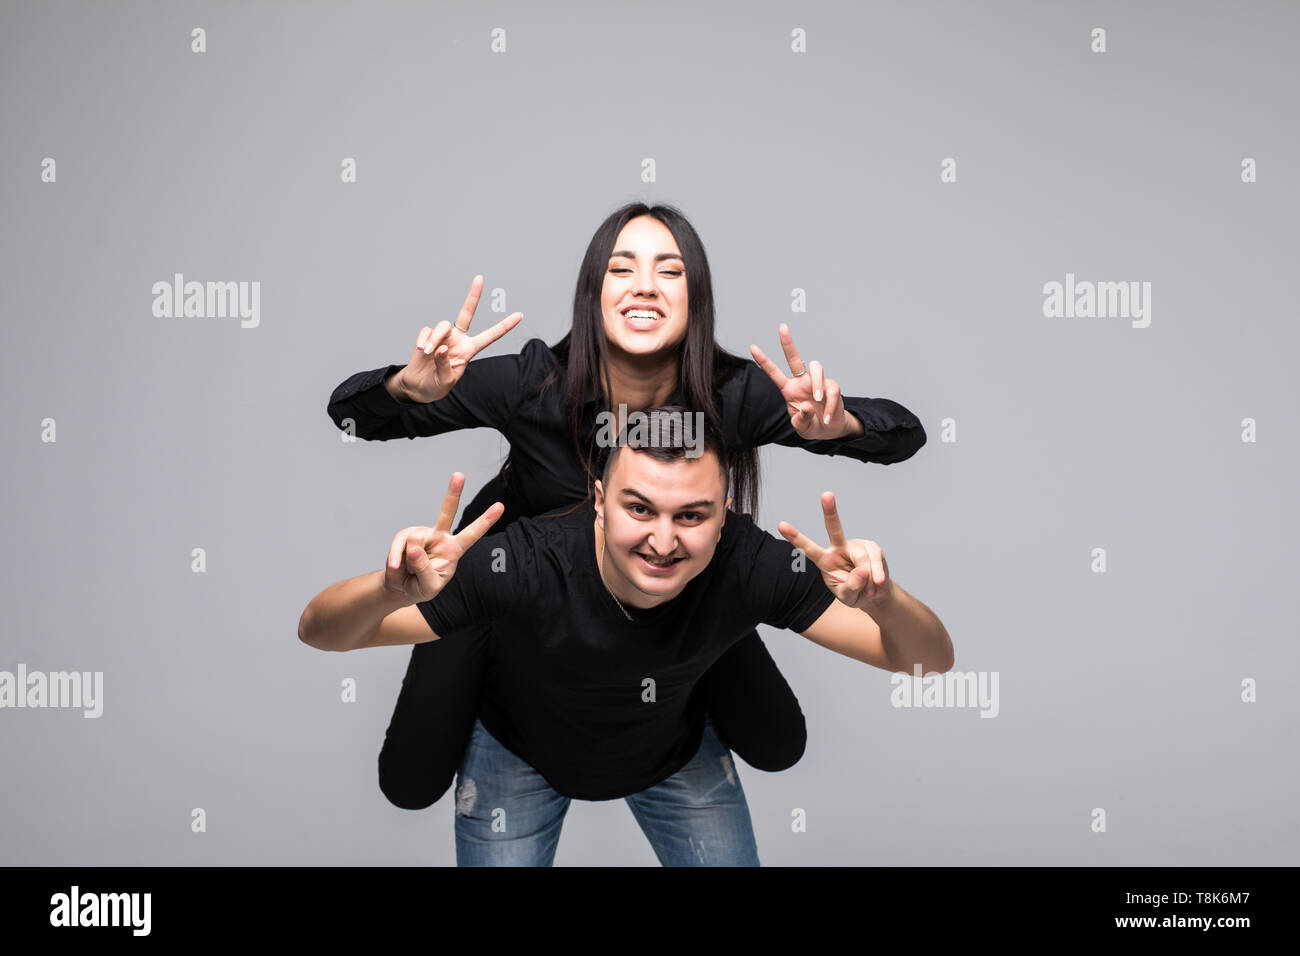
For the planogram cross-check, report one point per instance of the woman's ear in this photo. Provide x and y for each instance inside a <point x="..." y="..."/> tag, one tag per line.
<point x="600" y="503"/>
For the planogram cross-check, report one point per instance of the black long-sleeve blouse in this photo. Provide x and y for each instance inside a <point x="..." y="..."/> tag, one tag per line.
<point x="504" y="392"/>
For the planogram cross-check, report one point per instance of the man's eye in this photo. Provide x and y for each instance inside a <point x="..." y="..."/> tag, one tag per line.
<point x="691" y="515"/>
<point x="634" y="507"/>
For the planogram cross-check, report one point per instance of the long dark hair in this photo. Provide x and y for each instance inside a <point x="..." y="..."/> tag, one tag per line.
<point x="703" y="365"/>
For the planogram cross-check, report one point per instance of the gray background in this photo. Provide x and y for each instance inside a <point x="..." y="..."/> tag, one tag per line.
<point x="820" y="171"/>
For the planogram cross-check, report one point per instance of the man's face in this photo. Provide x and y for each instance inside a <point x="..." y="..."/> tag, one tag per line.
<point x="662" y="522"/>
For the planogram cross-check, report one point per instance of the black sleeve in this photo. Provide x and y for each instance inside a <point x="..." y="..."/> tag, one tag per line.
<point x="785" y="596"/>
<point x="486" y="585"/>
<point x="891" y="432"/>
<point x="485" y="397"/>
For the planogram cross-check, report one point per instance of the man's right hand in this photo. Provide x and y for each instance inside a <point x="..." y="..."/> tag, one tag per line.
<point x="441" y="354"/>
<point x="422" y="560"/>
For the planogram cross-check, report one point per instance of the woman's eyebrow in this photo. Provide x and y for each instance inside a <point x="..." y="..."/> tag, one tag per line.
<point x="629" y="254"/>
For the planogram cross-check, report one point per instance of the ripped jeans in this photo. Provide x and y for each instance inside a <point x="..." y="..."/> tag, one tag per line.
<point x="508" y="815"/>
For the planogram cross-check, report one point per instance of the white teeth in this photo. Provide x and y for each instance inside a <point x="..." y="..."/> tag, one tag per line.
<point x="641" y="314"/>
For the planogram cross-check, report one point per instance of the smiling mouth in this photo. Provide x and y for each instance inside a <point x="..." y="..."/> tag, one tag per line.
<point x="642" y="321"/>
<point x="657" y="564"/>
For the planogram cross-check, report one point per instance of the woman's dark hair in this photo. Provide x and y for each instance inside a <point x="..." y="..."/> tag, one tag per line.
<point x="703" y="365"/>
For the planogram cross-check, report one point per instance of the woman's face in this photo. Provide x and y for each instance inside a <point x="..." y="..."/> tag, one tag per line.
<point x="645" y="272"/>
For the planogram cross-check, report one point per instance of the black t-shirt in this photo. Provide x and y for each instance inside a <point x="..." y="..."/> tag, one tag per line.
<point x="505" y="392"/>
<point x="566" y="680"/>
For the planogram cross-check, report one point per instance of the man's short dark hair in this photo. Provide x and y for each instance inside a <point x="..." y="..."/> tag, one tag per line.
<point x="664" y="440"/>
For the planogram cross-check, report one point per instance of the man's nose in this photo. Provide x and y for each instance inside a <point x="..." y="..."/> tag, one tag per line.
<point x="663" y="537"/>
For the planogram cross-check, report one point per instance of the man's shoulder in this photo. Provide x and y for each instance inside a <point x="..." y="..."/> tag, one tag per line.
<point x="739" y="530"/>
<point x="743" y="547"/>
<point x="561" y="529"/>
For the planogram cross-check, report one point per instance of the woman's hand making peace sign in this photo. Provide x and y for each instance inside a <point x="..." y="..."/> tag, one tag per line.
<point x="441" y="353"/>
<point x="816" y="408"/>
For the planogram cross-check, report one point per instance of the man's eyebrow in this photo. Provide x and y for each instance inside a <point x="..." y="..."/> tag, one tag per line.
<point x="705" y="503"/>
<point x="629" y="254"/>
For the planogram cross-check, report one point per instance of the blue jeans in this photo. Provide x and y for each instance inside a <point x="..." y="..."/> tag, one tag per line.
<point x="508" y="815"/>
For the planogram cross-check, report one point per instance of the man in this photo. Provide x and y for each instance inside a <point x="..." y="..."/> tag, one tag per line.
<point x="603" y="620"/>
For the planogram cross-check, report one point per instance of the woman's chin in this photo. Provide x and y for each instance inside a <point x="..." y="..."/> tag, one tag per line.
<point x="642" y="343"/>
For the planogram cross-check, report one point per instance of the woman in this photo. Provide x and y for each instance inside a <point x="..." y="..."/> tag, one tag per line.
<point x="650" y="262"/>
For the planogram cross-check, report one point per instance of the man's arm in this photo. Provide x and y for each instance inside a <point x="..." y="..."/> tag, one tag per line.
<point x="361" y="612"/>
<point x="872" y="619"/>
<point x="894" y="636"/>
<point x="389" y="606"/>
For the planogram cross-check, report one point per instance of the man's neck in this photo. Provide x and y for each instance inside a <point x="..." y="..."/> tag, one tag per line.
<point x="640" y="382"/>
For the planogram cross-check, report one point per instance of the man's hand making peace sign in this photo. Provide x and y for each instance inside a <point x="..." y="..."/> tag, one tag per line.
<point x="422" y="560"/>
<point x="816" y="408"/>
<point x="854" y="569"/>
<point x="441" y="353"/>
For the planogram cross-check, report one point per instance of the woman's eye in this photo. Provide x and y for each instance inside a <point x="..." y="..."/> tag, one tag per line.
<point x="667" y="272"/>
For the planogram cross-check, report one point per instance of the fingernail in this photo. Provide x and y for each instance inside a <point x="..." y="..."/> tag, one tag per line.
<point x="826" y="419"/>
<point x="817" y="396"/>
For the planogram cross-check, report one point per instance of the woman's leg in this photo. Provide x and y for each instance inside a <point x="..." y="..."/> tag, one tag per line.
<point x="753" y="708"/>
<point x="506" y="812"/>
<point x="437" y="706"/>
<point x="699" y="816"/>
<point x="432" y="720"/>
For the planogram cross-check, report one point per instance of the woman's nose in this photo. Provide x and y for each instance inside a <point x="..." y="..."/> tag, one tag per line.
<point x="645" y="282"/>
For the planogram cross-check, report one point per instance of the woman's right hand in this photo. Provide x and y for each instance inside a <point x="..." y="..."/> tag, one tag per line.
<point x="441" y="354"/>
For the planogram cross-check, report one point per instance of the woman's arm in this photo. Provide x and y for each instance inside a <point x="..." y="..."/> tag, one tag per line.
<point x="411" y="400"/>
<point x="486" y="396"/>
<point x="806" y="410"/>
<point x="760" y="416"/>
<point x="483" y="398"/>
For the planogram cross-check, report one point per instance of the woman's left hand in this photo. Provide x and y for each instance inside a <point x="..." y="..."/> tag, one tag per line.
<point x="816" y="408"/>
